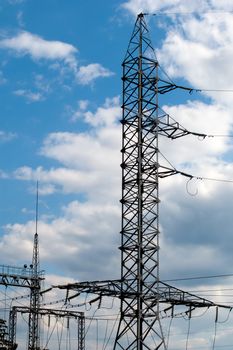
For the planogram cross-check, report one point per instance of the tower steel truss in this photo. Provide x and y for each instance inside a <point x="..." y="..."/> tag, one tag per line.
<point x="139" y="322"/>
<point x="140" y="289"/>
<point x="79" y="316"/>
<point x="34" y="324"/>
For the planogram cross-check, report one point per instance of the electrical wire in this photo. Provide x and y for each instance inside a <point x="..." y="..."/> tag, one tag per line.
<point x="105" y="333"/>
<point x="198" y="134"/>
<point x="166" y="13"/>
<point x="190" y="176"/>
<point x="59" y="336"/>
<point x="198" y="277"/>
<point x="91" y="319"/>
<point x="110" y="335"/>
<point x="51" y="333"/>
<point x="188" y="332"/>
<point x="97" y="335"/>
<point x="215" y="329"/>
<point x="169" y="331"/>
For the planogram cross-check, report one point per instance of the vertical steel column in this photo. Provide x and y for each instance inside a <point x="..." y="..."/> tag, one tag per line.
<point x="34" y="326"/>
<point x="139" y="327"/>
<point x="81" y="332"/>
<point x="12" y="327"/>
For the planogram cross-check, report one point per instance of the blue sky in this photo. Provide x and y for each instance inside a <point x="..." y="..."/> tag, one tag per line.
<point x="60" y="93"/>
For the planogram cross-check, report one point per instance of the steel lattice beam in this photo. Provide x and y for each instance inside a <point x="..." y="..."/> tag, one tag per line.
<point x="46" y="311"/>
<point x="34" y="325"/>
<point x="116" y="288"/>
<point x="139" y="230"/>
<point x="18" y="276"/>
<point x="140" y="289"/>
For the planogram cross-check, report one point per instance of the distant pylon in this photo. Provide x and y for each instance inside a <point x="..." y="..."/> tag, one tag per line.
<point x="34" y="326"/>
<point x="139" y="326"/>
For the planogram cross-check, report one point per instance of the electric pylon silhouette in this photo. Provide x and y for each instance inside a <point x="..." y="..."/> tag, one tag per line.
<point x="139" y="322"/>
<point x="34" y="326"/>
<point x="139" y="289"/>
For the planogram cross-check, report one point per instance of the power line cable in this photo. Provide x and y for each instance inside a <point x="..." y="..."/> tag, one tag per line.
<point x="174" y="171"/>
<point x="198" y="277"/>
<point x="180" y="126"/>
<point x="167" y="13"/>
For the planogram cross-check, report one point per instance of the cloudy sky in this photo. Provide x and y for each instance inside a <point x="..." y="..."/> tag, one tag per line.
<point x="60" y="93"/>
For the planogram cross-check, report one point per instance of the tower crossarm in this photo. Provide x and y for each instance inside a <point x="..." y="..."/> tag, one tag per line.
<point x="116" y="288"/>
<point x="18" y="276"/>
<point x="167" y="126"/>
<point x="47" y="311"/>
<point x="164" y="86"/>
<point x="104" y="288"/>
<point x="176" y="296"/>
<point x="170" y="128"/>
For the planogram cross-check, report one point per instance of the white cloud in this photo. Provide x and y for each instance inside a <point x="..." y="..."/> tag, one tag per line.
<point x="14" y="2"/>
<point x="29" y="95"/>
<point x="106" y="115"/>
<point x="37" y="48"/>
<point x="20" y="18"/>
<point x="83" y="157"/>
<point x="77" y="113"/>
<point x="3" y="175"/>
<point x="176" y="6"/>
<point x="199" y="117"/>
<point x="78" y="222"/>
<point x="2" y="79"/>
<point x="89" y="73"/>
<point x="6" y="136"/>
<point x="210" y="64"/>
<point x="33" y="45"/>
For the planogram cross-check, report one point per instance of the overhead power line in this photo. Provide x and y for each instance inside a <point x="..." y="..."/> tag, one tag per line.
<point x="170" y="86"/>
<point x="173" y="171"/>
<point x="198" y="277"/>
<point x="165" y="13"/>
<point x="198" y="134"/>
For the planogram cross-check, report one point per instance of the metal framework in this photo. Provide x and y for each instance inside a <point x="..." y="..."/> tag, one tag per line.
<point x="24" y="277"/>
<point x="34" y="324"/>
<point x="139" y="233"/>
<point x="42" y="312"/>
<point x="18" y="276"/>
<point x="4" y="343"/>
<point x="113" y="288"/>
<point x="140" y="289"/>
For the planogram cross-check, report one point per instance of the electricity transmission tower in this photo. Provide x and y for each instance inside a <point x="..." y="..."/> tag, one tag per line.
<point x="34" y="326"/>
<point x="139" y="233"/>
<point x="30" y="278"/>
<point x="139" y="288"/>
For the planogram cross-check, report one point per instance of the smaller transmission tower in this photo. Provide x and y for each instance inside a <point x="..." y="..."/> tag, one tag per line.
<point x="34" y="327"/>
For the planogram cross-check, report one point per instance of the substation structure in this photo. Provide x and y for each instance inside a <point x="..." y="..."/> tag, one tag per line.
<point x="139" y="289"/>
<point x="25" y="277"/>
<point x="79" y="316"/>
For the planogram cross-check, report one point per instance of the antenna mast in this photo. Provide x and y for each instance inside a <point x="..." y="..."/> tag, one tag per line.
<point x="34" y="327"/>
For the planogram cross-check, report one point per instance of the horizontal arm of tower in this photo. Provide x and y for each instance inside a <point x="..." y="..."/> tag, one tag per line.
<point x="176" y="296"/>
<point x="115" y="288"/>
<point x="167" y="86"/>
<point x="104" y="288"/>
<point x="46" y="311"/>
<point x="170" y="128"/>
<point x="18" y="276"/>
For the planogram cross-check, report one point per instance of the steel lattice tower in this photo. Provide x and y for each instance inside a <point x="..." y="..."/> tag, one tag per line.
<point x="139" y="322"/>
<point x="139" y="289"/>
<point x="34" y="327"/>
